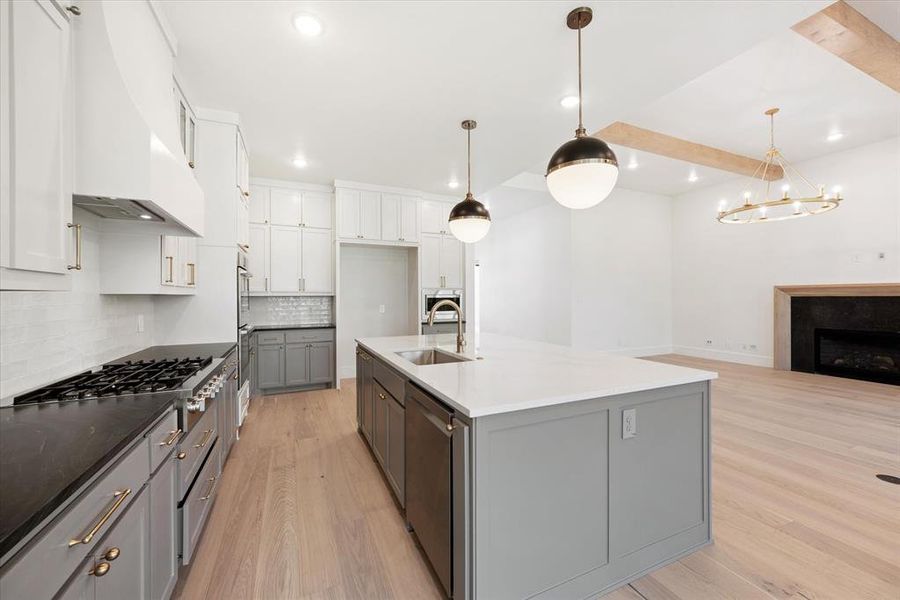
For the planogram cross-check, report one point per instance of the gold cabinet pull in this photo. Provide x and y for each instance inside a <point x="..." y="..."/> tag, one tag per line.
<point x="209" y="490"/>
<point x="380" y="395"/>
<point x="173" y="435"/>
<point x="171" y="273"/>
<point x="193" y="268"/>
<point x="206" y="436"/>
<point x="112" y="554"/>
<point x="74" y="10"/>
<point x="78" y="244"/>
<point x="100" y="570"/>
<point x="181" y="455"/>
<point x="120" y="496"/>
<point x="246" y="194"/>
<point x="191" y="164"/>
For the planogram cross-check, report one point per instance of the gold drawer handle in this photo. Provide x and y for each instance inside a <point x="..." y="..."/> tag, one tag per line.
<point x="120" y="498"/>
<point x="173" y="435"/>
<point x="209" y="491"/>
<point x="100" y="570"/>
<point x="206" y="436"/>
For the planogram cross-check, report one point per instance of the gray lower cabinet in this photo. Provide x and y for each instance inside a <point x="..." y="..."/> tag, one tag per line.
<point x="292" y="359"/>
<point x="296" y="364"/>
<point x="163" y="531"/>
<point x="126" y="552"/>
<point x="270" y="366"/>
<point x="382" y="418"/>
<point x="82" y="585"/>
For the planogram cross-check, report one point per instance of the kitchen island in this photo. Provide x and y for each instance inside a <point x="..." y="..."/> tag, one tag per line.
<point x="564" y="473"/>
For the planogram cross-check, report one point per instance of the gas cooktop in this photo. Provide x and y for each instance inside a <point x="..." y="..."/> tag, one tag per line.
<point x="117" y="379"/>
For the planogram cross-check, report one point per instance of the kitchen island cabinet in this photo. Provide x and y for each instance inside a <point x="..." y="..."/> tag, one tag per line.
<point x="535" y="470"/>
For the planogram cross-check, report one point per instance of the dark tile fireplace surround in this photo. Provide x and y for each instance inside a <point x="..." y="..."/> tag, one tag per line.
<point x="856" y="337"/>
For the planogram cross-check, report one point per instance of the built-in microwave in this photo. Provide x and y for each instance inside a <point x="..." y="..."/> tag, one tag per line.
<point x="445" y="313"/>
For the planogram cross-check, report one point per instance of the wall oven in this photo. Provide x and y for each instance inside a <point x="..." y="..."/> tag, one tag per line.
<point x="243" y="291"/>
<point x="432" y="297"/>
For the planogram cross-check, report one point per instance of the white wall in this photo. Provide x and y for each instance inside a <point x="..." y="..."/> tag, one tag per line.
<point x="598" y="278"/>
<point x="724" y="275"/>
<point x="46" y="336"/>
<point x="371" y="276"/>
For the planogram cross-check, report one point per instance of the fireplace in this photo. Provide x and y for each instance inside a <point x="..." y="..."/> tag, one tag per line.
<point x="869" y="355"/>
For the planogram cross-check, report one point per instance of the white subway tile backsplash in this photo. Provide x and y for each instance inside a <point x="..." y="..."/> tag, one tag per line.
<point x="291" y="310"/>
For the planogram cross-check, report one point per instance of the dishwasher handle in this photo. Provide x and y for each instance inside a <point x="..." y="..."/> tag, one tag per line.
<point x="436" y="414"/>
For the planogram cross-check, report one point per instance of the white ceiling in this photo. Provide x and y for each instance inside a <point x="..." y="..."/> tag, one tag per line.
<point x="379" y="96"/>
<point x="817" y="92"/>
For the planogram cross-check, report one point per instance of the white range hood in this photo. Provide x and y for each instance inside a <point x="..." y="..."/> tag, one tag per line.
<point x="128" y="156"/>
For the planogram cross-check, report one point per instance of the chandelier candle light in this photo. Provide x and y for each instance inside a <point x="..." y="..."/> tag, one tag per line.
<point x="470" y="219"/>
<point x="583" y="171"/>
<point x="762" y="207"/>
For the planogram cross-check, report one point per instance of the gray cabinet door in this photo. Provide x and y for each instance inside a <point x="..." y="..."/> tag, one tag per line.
<point x="82" y="585"/>
<point x="360" y="365"/>
<point x="163" y="534"/>
<point x="321" y="362"/>
<point x="296" y="364"/>
<point x="380" y="425"/>
<point x="368" y="394"/>
<point x="254" y="375"/>
<point x="396" y="447"/>
<point x="270" y="366"/>
<point x="128" y="574"/>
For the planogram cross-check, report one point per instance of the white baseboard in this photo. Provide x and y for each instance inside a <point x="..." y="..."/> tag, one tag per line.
<point x="726" y="355"/>
<point x="641" y="351"/>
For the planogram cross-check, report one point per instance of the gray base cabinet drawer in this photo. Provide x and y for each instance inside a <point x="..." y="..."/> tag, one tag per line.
<point x="42" y="569"/>
<point x="390" y="380"/>
<point x="194" y="447"/>
<point x="295" y="336"/>
<point x="266" y="338"/>
<point x="163" y="439"/>
<point x="196" y="506"/>
<point x="163" y="531"/>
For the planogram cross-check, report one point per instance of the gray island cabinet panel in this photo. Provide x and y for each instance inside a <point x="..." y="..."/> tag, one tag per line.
<point x="600" y="509"/>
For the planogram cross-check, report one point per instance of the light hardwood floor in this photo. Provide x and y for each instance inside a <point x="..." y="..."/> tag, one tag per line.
<point x="303" y="511"/>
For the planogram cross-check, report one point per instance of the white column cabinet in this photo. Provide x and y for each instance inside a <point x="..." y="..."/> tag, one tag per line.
<point x="258" y="257"/>
<point x="441" y="260"/>
<point x="316" y="261"/>
<point x="243" y="221"/>
<point x="35" y="137"/>
<point x="435" y="217"/>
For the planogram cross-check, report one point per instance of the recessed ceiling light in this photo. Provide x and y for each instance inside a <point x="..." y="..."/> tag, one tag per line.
<point x="693" y="177"/>
<point x="569" y="101"/>
<point x="299" y="162"/>
<point x="453" y="184"/>
<point x="308" y="25"/>
<point x="146" y="216"/>
<point x="834" y="136"/>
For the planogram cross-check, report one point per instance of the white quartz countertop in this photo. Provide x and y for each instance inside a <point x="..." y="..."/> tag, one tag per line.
<point x="509" y="374"/>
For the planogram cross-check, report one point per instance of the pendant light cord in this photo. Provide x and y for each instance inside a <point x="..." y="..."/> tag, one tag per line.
<point x="772" y="130"/>
<point x="469" y="162"/>
<point x="580" y="132"/>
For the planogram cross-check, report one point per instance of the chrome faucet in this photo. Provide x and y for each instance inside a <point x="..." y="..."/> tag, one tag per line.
<point x="460" y="337"/>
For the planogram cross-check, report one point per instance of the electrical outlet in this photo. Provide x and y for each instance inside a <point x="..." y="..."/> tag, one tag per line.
<point x="709" y="342"/>
<point x="140" y="324"/>
<point x="381" y="308"/>
<point x="629" y="423"/>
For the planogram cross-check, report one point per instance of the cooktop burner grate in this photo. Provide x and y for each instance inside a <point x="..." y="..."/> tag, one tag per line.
<point x="118" y="379"/>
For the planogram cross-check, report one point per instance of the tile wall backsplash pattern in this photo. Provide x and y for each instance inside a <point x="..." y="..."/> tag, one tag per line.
<point x="291" y="310"/>
<point x="46" y="336"/>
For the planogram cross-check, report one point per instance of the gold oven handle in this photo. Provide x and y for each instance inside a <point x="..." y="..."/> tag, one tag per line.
<point x="206" y="436"/>
<point x="120" y="496"/>
<point x="173" y="435"/>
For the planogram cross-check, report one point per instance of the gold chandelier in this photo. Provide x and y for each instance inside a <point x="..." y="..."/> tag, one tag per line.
<point x="795" y="201"/>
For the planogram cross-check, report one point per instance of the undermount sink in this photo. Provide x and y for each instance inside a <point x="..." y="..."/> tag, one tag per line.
<point x="430" y="356"/>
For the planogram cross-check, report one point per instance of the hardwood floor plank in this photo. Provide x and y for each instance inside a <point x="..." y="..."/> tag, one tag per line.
<point x="303" y="511"/>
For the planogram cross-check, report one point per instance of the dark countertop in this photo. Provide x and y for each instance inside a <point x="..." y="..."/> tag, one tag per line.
<point x="289" y="326"/>
<point x="48" y="451"/>
<point x="216" y="350"/>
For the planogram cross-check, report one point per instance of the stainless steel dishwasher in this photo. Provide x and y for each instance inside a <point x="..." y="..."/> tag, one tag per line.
<point x="437" y="488"/>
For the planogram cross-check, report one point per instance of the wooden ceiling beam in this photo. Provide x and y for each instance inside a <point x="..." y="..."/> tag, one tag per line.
<point x="654" y="142"/>
<point x="843" y="31"/>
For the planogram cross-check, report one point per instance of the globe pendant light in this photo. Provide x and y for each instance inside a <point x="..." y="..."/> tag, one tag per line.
<point x="469" y="220"/>
<point x="583" y="171"/>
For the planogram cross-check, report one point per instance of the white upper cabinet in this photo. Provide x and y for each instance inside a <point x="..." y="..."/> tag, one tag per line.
<point x="435" y="216"/>
<point x="316" y="262"/>
<point x="259" y="204"/>
<point x="284" y="264"/>
<point x="370" y="215"/>
<point x="359" y="214"/>
<point x="316" y="210"/>
<point x="409" y="219"/>
<point x="243" y="166"/>
<point x="178" y="261"/>
<point x="284" y="207"/>
<point x="441" y="261"/>
<point x="35" y="137"/>
<point x="258" y="257"/>
<point x="243" y="221"/>
<point x="390" y="217"/>
<point x="348" y="213"/>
